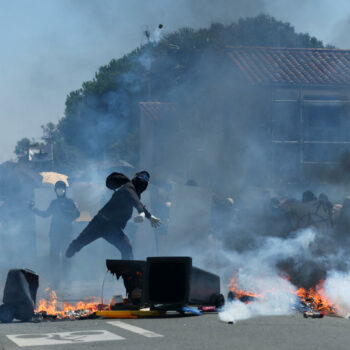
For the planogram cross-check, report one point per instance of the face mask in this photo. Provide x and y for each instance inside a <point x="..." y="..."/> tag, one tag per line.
<point x="60" y="192"/>
<point x="143" y="176"/>
<point x="139" y="184"/>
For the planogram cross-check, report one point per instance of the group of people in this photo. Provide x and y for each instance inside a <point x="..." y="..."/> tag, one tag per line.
<point x="263" y="214"/>
<point x="108" y="224"/>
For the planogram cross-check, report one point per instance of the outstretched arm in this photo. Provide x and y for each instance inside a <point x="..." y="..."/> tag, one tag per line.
<point x="138" y="205"/>
<point x="143" y="212"/>
<point x="43" y="213"/>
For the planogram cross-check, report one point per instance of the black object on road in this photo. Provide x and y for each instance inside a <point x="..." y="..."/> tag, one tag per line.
<point x="19" y="295"/>
<point x="174" y="281"/>
<point x="171" y="282"/>
<point x="132" y="272"/>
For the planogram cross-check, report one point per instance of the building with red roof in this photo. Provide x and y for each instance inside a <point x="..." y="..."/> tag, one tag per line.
<point x="300" y="98"/>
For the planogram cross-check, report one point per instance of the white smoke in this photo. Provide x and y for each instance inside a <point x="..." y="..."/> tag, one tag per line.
<point x="257" y="273"/>
<point x="279" y="302"/>
<point x="337" y="290"/>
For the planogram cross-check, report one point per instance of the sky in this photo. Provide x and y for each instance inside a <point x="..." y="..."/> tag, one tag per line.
<point x="50" y="47"/>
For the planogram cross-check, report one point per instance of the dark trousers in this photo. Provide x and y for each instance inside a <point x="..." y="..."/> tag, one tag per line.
<point x="59" y="265"/>
<point x="100" y="228"/>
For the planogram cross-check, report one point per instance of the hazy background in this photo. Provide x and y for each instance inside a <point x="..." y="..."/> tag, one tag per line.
<point x="48" y="48"/>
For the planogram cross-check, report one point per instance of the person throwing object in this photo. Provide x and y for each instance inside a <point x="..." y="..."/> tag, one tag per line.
<point x="113" y="217"/>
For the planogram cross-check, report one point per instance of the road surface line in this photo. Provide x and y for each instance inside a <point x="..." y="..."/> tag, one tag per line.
<point x="75" y="337"/>
<point x="135" y="329"/>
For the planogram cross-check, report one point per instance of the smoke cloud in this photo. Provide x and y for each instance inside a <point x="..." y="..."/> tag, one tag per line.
<point x="226" y="158"/>
<point x="336" y="287"/>
<point x="60" y="44"/>
<point x="257" y="272"/>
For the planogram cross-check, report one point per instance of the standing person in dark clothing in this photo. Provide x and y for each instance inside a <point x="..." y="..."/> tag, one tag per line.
<point x="63" y="212"/>
<point x="113" y="217"/>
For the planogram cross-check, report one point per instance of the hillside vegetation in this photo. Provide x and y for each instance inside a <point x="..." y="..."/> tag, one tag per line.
<point x="101" y="118"/>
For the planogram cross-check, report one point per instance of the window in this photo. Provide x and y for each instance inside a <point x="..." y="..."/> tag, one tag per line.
<point x="285" y="121"/>
<point x="326" y="122"/>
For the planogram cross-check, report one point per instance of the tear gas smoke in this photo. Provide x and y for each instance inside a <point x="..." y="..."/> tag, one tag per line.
<point x="257" y="272"/>
<point x="217" y="143"/>
<point x="337" y="289"/>
<point x="195" y="142"/>
<point x="279" y="302"/>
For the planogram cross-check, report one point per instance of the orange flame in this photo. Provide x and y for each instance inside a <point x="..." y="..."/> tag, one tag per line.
<point x="314" y="298"/>
<point x="240" y="293"/>
<point x="317" y="299"/>
<point x="64" y="310"/>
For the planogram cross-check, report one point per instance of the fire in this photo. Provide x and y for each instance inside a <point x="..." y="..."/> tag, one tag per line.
<point x="53" y="307"/>
<point x="316" y="299"/>
<point x="240" y="293"/>
<point x="49" y="306"/>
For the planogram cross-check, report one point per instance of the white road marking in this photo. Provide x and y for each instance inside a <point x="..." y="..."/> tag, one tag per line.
<point x="63" y="338"/>
<point x="135" y="329"/>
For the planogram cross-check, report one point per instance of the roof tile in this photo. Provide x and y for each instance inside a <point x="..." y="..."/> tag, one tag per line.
<point x="292" y="66"/>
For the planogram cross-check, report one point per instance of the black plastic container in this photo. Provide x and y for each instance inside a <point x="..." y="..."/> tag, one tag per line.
<point x="169" y="281"/>
<point x="174" y="281"/>
<point x="19" y="295"/>
<point x="132" y="272"/>
<point x="126" y="267"/>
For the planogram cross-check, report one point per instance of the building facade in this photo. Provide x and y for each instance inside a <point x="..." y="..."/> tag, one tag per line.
<point x="282" y="112"/>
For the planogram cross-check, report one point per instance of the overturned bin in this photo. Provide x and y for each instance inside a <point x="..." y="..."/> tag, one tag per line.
<point x="132" y="272"/>
<point x="19" y="295"/>
<point x="169" y="281"/>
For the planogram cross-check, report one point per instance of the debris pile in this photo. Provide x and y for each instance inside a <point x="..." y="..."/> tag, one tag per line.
<point x="312" y="302"/>
<point x="53" y="309"/>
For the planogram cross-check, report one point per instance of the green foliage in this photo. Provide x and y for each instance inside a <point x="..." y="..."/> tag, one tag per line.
<point x="262" y="30"/>
<point x="22" y="149"/>
<point x="101" y="118"/>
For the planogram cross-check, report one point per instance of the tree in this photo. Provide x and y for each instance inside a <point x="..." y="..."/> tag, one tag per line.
<point x="22" y="148"/>
<point x="101" y="118"/>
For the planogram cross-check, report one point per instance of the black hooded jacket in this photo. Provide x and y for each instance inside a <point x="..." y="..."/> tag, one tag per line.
<point x="118" y="210"/>
<point x="63" y="212"/>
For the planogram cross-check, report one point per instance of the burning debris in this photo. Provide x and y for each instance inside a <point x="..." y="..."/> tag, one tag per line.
<point x="306" y="240"/>
<point x="312" y="302"/>
<point x="53" y="309"/>
<point x="154" y="287"/>
<point x="312" y="299"/>
<point x="240" y="294"/>
<point x="315" y="300"/>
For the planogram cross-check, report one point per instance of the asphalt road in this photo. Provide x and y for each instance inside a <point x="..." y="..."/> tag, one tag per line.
<point x="195" y="332"/>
